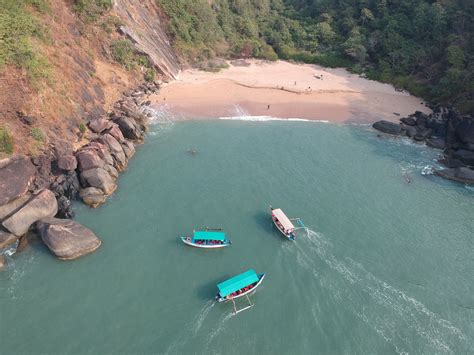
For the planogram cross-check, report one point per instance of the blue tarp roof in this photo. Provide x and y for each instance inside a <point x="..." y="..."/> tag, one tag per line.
<point x="237" y="282"/>
<point x="209" y="235"/>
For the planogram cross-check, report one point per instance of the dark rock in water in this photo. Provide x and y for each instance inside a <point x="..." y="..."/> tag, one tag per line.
<point x="67" y="239"/>
<point x="129" y="128"/>
<point x="93" y="197"/>
<point x="16" y="175"/>
<point x="411" y="131"/>
<point x="7" y="238"/>
<point x="67" y="163"/>
<point x="42" y="205"/>
<point x="100" y="179"/>
<point x="438" y="143"/>
<point x="465" y="129"/>
<point x="462" y="174"/>
<point x="388" y="127"/>
<point x="450" y="162"/>
<point x="466" y="156"/>
<point x="469" y="146"/>
<point x="423" y="134"/>
<point x="99" y="125"/>
<point x="27" y="240"/>
<point x="65" y="208"/>
<point x="419" y="114"/>
<point x="421" y="120"/>
<point x="409" y="121"/>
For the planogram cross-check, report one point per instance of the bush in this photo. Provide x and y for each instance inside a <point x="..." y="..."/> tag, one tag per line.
<point x="6" y="141"/>
<point x="38" y="134"/>
<point x="82" y="127"/>
<point x="150" y="75"/>
<point x="91" y="10"/>
<point x="123" y="53"/>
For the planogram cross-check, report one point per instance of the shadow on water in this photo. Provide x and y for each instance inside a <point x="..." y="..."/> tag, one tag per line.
<point x="208" y="290"/>
<point x="264" y="221"/>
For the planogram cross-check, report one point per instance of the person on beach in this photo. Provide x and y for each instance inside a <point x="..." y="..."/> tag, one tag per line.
<point x="268" y="107"/>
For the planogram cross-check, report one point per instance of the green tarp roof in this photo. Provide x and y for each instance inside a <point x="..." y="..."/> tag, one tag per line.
<point x="237" y="282"/>
<point x="209" y="235"/>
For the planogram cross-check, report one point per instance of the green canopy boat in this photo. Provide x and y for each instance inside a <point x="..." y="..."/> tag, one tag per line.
<point x="207" y="239"/>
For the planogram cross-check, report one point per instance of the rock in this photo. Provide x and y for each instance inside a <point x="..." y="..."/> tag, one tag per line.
<point x="43" y="171"/>
<point x="115" y="132"/>
<point x="129" y="128"/>
<point x="88" y="159"/>
<point x="67" y="239"/>
<point x="465" y="129"/>
<point x="42" y="205"/>
<point x="411" y="131"/>
<point x="462" y="174"/>
<point x="65" y="208"/>
<point x="102" y="150"/>
<point x="93" y="197"/>
<point x="15" y="179"/>
<point x="409" y="121"/>
<point x="423" y="134"/>
<point x="100" y="179"/>
<point x="67" y="185"/>
<point x="111" y="170"/>
<point x="419" y="114"/>
<point x="3" y="262"/>
<point x="128" y="149"/>
<point x="437" y="143"/>
<point x="9" y="208"/>
<point x="7" y="238"/>
<point x="67" y="163"/>
<point x="62" y="148"/>
<point x="388" y="127"/>
<point x="466" y="156"/>
<point x="120" y="160"/>
<point x="99" y="125"/>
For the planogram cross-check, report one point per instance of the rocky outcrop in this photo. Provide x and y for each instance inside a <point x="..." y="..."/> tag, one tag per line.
<point x="16" y="176"/>
<point x="142" y="24"/>
<point x="93" y="197"/>
<point x="67" y="239"/>
<point x="99" y="178"/>
<point x="40" y="206"/>
<point x="388" y="127"/>
<point x="443" y="129"/>
<point x="7" y="238"/>
<point x="67" y="163"/>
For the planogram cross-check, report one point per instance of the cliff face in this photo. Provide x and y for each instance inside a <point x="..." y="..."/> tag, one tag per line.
<point x="142" y="24"/>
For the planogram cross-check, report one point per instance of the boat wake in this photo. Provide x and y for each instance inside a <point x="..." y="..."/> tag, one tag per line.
<point x="392" y="313"/>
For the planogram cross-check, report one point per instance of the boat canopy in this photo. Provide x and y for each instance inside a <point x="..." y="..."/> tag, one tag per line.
<point x="283" y="219"/>
<point x="209" y="235"/>
<point x="237" y="282"/>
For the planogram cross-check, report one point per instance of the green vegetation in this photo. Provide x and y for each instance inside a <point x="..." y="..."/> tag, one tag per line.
<point x="91" y="10"/>
<point x="38" y="134"/>
<point x="6" y="141"/>
<point x="124" y="53"/>
<point x="19" y="29"/>
<point x="82" y="128"/>
<point x="424" y="46"/>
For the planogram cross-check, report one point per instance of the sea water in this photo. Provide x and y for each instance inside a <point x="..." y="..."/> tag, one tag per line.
<point x="386" y="265"/>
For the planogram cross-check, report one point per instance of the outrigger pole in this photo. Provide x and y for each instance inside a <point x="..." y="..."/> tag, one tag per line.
<point x="242" y="309"/>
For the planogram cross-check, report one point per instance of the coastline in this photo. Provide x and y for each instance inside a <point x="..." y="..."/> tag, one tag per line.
<point x="283" y="90"/>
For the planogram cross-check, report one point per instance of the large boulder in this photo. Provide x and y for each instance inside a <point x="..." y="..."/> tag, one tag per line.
<point x="99" y="125"/>
<point x="129" y="128"/>
<point x="388" y="127"/>
<point x="462" y="174"/>
<point x="115" y="132"/>
<point x="7" y="238"/>
<point x="89" y="159"/>
<point x="93" y="197"/>
<point x="437" y="143"/>
<point x="42" y="205"/>
<point x="409" y="121"/>
<point x="67" y="163"/>
<point x="423" y="134"/>
<point x="67" y="239"/>
<point x="120" y="160"/>
<point x="465" y="129"/>
<point x="466" y="156"/>
<point x="128" y="149"/>
<point x="100" y="179"/>
<point x="16" y="175"/>
<point x="102" y="150"/>
<point x="9" y="208"/>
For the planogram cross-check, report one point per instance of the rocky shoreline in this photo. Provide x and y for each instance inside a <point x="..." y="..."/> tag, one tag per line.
<point x="36" y="194"/>
<point x="444" y="129"/>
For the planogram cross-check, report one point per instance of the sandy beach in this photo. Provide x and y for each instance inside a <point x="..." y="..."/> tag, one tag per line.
<point x="284" y="90"/>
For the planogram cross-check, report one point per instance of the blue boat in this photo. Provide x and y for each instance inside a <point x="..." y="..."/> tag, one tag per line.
<point x="239" y="286"/>
<point x="207" y="239"/>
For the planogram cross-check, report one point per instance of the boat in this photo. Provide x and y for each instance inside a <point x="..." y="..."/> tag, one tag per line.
<point x="285" y="224"/>
<point x="207" y="239"/>
<point x="239" y="286"/>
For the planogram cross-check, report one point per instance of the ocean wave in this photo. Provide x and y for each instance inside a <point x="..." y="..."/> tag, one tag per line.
<point x="389" y="311"/>
<point x="268" y="118"/>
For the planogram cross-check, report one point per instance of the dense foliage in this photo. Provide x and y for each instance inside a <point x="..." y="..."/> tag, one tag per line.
<point x="424" y="46"/>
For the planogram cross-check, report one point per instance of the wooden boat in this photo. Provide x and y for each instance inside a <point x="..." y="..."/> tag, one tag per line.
<point x="285" y="224"/>
<point x="239" y="286"/>
<point x="207" y="239"/>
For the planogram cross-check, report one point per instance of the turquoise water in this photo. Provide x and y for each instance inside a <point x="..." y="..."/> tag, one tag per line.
<point x="385" y="267"/>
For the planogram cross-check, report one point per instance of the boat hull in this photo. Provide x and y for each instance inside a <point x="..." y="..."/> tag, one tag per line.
<point x="290" y="236"/>
<point x="261" y="277"/>
<point x="204" y="246"/>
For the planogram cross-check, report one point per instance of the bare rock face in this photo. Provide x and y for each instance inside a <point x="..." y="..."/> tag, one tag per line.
<point x="6" y="238"/>
<point x="89" y="159"/>
<point x="99" y="125"/>
<point x="16" y="175"/>
<point x="67" y="239"/>
<point x="99" y="178"/>
<point x="13" y="206"/>
<point x="67" y="163"/>
<point x="128" y="149"/>
<point x="42" y="205"/>
<point x="93" y="197"/>
<point x="115" y="132"/>
<point x="129" y="128"/>
<point x="143" y="26"/>
<point x="120" y="160"/>
<point x="461" y="174"/>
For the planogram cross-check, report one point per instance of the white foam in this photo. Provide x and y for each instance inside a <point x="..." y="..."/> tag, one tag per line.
<point x="268" y="118"/>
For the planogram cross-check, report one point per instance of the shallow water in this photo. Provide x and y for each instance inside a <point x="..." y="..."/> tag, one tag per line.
<point x="385" y="267"/>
